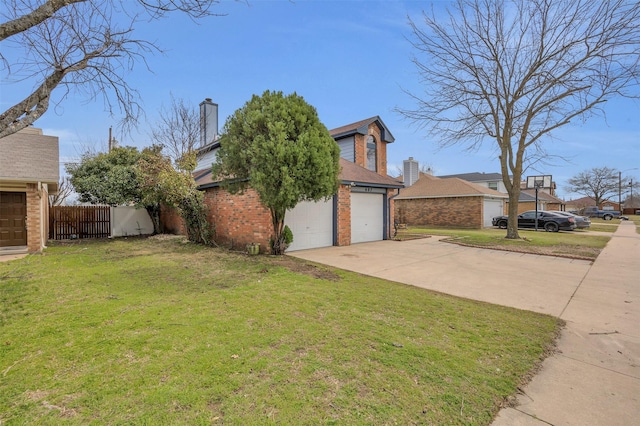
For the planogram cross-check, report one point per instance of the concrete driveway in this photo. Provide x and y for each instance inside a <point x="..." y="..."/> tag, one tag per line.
<point x="525" y="281"/>
<point x="594" y="379"/>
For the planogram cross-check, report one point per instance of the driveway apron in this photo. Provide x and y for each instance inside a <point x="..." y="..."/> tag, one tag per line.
<point x="594" y="379"/>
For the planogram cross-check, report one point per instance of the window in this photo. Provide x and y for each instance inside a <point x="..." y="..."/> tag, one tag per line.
<point x="493" y="185"/>
<point x="372" y="163"/>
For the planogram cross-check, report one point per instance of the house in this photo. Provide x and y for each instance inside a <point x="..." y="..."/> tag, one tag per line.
<point x="489" y="180"/>
<point x="437" y="201"/>
<point x="527" y="201"/>
<point x="29" y="172"/>
<point x="580" y="203"/>
<point x="361" y="210"/>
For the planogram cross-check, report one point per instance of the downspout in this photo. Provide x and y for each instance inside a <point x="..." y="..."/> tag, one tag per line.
<point x="389" y="209"/>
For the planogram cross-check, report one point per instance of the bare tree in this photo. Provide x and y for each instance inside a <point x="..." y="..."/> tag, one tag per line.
<point x="598" y="183"/>
<point x="177" y="129"/>
<point x="76" y="46"/>
<point x="514" y="71"/>
<point x="65" y="189"/>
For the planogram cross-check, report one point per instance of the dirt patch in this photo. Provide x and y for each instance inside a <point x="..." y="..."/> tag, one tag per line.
<point x="302" y="267"/>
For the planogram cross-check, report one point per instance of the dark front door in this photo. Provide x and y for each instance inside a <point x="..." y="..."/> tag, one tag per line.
<point x="13" y="216"/>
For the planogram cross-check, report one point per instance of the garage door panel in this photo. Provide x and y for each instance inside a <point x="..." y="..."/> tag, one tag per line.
<point x="367" y="212"/>
<point x="311" y="224"/>
<point x="492" y="208"/>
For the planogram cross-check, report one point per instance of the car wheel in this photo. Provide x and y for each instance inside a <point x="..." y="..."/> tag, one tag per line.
<point x="502" y="224"/>
<point x="607" y="217"/>
<point x="551" y="227"/>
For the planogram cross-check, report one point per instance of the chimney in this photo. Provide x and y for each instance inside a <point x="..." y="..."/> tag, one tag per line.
<point x="208" y="122"/>
<point x="410" y="172"/>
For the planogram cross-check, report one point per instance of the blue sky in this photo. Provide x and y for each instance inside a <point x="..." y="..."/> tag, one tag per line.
<point x="349" y="59"/>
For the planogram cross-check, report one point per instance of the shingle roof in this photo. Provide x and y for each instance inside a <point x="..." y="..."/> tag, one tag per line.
<point x="351" y="172"/>
<point x="361" y="127"/>
<point x="476" y="176"/>
<point x="434" y="187"/>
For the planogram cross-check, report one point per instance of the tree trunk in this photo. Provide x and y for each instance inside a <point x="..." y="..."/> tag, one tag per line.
<point x="154" y="214"/>
<point x="278" y="245"/>
<point x="512" y="225"/>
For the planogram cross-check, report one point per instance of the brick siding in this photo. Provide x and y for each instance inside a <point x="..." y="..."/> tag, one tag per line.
<point x="34" y="238"/>
<point x="360" y="150"/>
<point x="463" y="212"/>
<point x="239" y="219"/>
<point x="531" y="205"/>
<point x="344" y="216"/>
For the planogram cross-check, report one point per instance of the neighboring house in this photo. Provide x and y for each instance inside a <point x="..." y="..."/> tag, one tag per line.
<point x="29" y="172"/>
<point x="489" y="180"/>
<point x="527" y="201"/>
<point x="361" y="210"/>
<point x="580" y="203"/>
<point x="436" y="201"/>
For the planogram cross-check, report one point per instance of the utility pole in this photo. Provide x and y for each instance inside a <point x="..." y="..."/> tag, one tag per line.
<point x="620" y="191"/>
<point x="631" y="196"/>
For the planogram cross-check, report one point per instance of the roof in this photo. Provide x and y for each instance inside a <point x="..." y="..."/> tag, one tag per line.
<point x="476" y="176"/>
<point x="350" y="173"/>
<point x="428" y="186"/>
<point x="362" y="127"/>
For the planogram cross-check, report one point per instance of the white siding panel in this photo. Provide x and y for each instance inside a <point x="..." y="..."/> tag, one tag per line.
<point x="367" y="222"/>
<point x="492" y="208"/>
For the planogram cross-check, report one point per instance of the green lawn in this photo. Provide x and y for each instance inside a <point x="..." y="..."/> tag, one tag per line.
<point x="158" y="331"/>
<point x="571" y="243"/>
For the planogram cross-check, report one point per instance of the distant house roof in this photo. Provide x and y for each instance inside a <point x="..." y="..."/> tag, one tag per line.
<point x="584" y="201"/>
<point x="362" y="127"/>
<point x="428" y="186"/>
<point x="476" y="176"/>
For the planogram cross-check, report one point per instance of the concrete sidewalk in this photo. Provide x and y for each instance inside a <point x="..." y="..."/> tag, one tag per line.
<point x="595" y="378"/>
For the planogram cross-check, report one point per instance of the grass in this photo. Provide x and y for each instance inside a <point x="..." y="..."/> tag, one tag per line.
<point x="153" y="331"/>
<point x="577" y="244"/>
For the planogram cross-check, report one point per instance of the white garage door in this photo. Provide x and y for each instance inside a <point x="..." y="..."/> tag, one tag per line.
<point x="492" y="208"/>
<point x="366" y="217"/>
<point x="311" y="224"/>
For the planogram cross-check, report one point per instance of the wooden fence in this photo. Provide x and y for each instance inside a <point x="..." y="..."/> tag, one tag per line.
<point x="74" y="222"/>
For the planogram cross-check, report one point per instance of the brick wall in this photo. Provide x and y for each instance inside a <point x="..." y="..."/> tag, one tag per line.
<point x="531" y="205"/>
<point x="34" y="224"/>
<point x="360" y="149"/>
<point x="239" y="219"/>
<point x="171" y="222"/>
<point x="344" y="215"/>
<point x="463" y="212"/>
